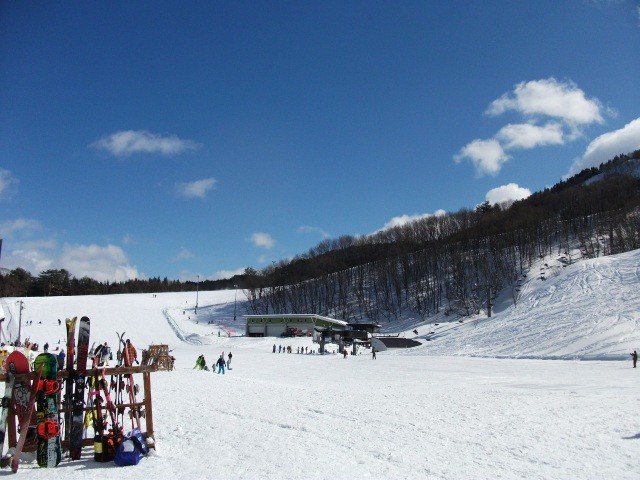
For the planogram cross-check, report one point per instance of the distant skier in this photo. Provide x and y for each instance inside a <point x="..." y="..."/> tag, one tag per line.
<point x="274" y="348"/>
<point x="220" y="363"/>
<point x="634" y="357"/>
<point x="229" y="361"/>
<point x="373" y="353"/>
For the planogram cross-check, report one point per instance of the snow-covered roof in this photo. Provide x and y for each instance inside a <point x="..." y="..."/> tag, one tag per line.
<point x="296" y="316"/>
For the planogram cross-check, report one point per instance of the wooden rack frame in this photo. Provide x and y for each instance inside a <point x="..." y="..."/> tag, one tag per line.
<point x="146" y="402"/>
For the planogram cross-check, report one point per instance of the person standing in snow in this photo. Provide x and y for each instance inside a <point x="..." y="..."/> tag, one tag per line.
<point x="105" y="354"/>
<point x="373" y="353"/>
<point x="221" y="363"/>
<point x="634" y="357"/>
<point x="229" y="361"/>
<point x="130" y="354"/>
<point x="61" y="357"/>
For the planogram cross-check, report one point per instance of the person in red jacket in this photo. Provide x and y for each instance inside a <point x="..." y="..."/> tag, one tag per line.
<point x="130" y="354"/>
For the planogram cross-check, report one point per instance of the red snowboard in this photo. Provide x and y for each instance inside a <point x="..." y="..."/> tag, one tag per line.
<point x="22" y="402"/>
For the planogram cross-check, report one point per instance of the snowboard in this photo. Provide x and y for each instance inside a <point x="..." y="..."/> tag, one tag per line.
<point x="77" y="399"/>
<point x="22" y="388"/>
<point x="24" y="409"/>
<point x="49" y="452"/>
<point x="9" y="385"/>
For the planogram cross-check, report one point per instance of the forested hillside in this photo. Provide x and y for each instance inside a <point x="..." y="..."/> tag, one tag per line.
<point x="458" y="262"/>
<point x="455" y="262"/>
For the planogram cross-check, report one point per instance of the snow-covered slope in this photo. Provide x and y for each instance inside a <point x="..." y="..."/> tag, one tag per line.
<point x="430" y="412"/>
<point x="587" y="310"/>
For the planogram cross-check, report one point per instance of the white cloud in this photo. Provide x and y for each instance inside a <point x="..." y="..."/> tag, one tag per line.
<point x="8" y="183"/>
<point x="507" y="193"/>
<point x="222" y="274"/>
<point x="183" y="254"/>
<point x="535" y="100"/>
<point x="262" y="240"/>
<point x="22" y="226"/>
<point x="528" y="135"/>
<point x="129" y="142"/>
<point x="404" y="219"/>
<point x="549" y="97"/>
<point x="37" y="255"/>
<point x="307" y="229"/>
<point x="607" y="146"/>
<point x="108" y="263"/>
<point x="34" y="257"/>
<point x="488" y="156"/>
<point x="196" y="189"/>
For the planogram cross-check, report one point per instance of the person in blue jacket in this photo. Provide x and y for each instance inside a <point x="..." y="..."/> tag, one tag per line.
<point x="221" y="364"/>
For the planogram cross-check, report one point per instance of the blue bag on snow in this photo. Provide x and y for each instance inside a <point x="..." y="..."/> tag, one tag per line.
<point x="132" y="449"/>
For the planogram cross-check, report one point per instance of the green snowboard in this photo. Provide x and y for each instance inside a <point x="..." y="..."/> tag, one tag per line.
<point x="49" y="451"/>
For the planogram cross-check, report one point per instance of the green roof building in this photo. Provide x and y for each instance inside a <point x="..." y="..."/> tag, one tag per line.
<point x="290" y="324"/>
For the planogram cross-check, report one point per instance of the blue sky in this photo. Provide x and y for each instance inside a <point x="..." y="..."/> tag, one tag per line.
<point x="144" y="139"/>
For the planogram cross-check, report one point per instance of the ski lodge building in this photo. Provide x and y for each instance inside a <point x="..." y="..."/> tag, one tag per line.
<point x="282" y="324"/>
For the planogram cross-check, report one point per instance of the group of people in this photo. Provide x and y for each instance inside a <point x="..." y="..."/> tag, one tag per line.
<point x="221" y="363"/>
<point x="100" y="355"/>
<point x="289" y="349"/>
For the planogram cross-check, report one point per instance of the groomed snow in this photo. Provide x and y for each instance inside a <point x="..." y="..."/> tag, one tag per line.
<point x="486" y="398"/>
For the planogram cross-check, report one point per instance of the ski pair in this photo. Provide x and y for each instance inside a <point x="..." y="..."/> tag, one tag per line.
<point x="131" y="387"/>
<point x="105" y="440"/>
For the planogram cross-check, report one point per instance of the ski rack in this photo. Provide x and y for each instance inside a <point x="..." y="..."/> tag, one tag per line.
<point x="146" y="402"/>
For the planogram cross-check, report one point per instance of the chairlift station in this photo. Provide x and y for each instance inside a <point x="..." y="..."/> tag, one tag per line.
<point x="278" y="325"/>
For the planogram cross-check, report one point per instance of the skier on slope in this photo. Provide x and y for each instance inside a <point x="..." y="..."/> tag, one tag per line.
<point x="200" y="363"/>
<point x="634" y="358"/>
<point x="229" y="361"/>
<point x="221" y="363"/>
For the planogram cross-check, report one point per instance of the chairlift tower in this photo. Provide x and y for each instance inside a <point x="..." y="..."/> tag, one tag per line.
<point x="197" y="288"/>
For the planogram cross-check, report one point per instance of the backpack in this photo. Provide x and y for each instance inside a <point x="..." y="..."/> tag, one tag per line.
<point x="132" y="449"/>
<point x="105" y="447"/>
